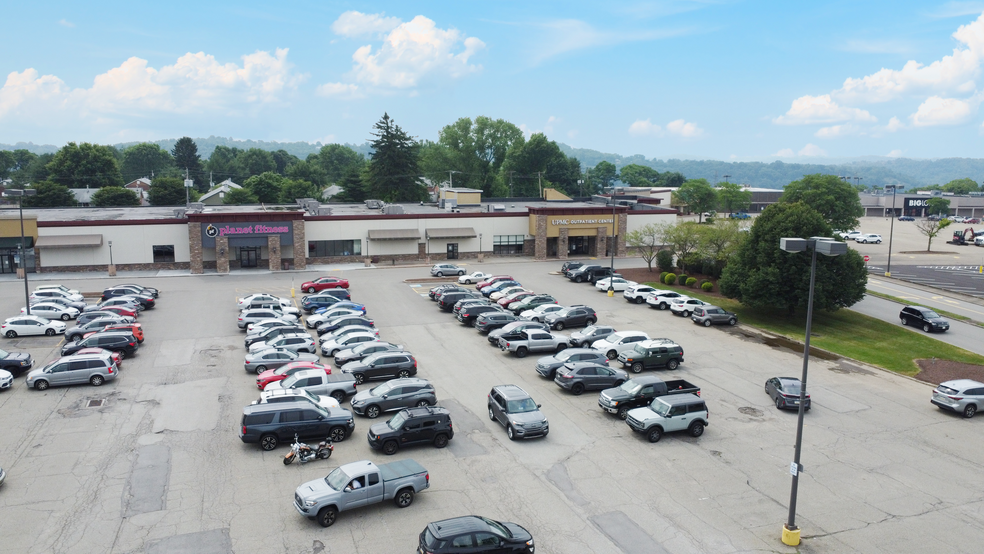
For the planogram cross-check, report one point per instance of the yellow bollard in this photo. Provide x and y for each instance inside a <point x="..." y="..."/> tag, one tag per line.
<point x="790" y="538"/>
<point x="611" y="292"/>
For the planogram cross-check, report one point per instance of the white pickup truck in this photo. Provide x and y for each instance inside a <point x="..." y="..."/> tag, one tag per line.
<point x="534" y="340"/>
<point x="359" y="484"/>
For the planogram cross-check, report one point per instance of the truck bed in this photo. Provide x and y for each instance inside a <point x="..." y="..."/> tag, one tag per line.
<point x="680" y="386"/>
<point x="400" y="469"/>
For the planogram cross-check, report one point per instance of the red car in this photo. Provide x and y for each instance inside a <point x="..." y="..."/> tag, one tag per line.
<point x="285" y="371"/>
<point x="135" y="328"/>
<point x="120" y="310"/>
<point x="515" y="297"/>
<point x="491" y="280"/>
<point x="322" y="283"/>
<point x="95" y="350"/>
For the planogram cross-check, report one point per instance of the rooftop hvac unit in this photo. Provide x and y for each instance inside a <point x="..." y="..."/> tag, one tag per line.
<point x="311" y="204"/>
<point x="322" y="210"/>
<point x="179" y="213"/>
<point x="498" y="207"/>
<point x="196" y="207"/>
<point x="374" y="204"/>
<point x="393" y="209"/>
<point x="448" y="203"/>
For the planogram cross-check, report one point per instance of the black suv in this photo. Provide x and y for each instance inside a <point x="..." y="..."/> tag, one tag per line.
<point x="593" y="275"/>
<point x="470" y="314"/>
<point x="575" y="316"/>
<point x="15" y="362"/>
<point x="569" y="266"/>
<point x="269" y="424"/>
<point x="448" y="300"/>
<point x="124" y="343"/>
<point x="493" y="320"/>
<point x="145" y="300"/>
<point x="580" y="274"/>
<point x="384" y="365"/>
<point x="474" y="534"/>
<point x="426" y="425"/>
<point x="927" y="319"/>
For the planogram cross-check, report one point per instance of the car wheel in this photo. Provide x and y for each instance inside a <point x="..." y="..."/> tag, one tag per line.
<point x="639" y="300"/>
<point x="672" y="365"/>
<point x="686" y="313"/>
<point x="521" y="352"/>
<point x="337" y="434"/>
<point x="578" y="279"/>
<point x="11" y="334"/>
<point x="779" y="403"/>
<point x="423" y="404"/>
<point x="561" y="346"/>
<point x="654" y="434"/>
<point x="404" y="373"/>
<point x="260" y="369"/>
<point x="311" y="290"/>
<point x="623" y="412"/>
<point x="440" y="274"/>
<point x="64" y="317"/>
<point x="577" y="389"/>
<point x="611" y="355"/>
<point x="390" y="447"/>
<point x="707" y="323"/>
<point x="663" y="305"/>
<point x="468" y="281"/>
<point x="460" y="273"/>
<point x="905" y="321"/>
<point x="41" y="384"/>
<point x="440" y="441"/>
<point x="510" y="433"/>
<point x="372" y="412"/>
<point x="96" y="380"/>
<point x="926" y="327"/>
<point x="338" y="395"/>
<point x="327" y="516"/>
<point x="733" y="321"/>
<point x="49" y="332"/>
<point x="589" y="322"/>
<point x="269" y="442"/>
<point x="359" y="378"/>
<point x="122" y="354"/>
<point x="404" y="498"/>
<point x="491" y="415"/>
<point x="970" y="410"/>
<point x="696" y="429"/>
<point x="559" y="326"/>
<point x="637" y="367"/>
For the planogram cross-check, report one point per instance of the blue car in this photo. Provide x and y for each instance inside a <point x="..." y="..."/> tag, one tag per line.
<point x="312" y="302"/>
<point x="495" y="287"/>
<point x="343" y="304"/>
<point x="740" y="215"/>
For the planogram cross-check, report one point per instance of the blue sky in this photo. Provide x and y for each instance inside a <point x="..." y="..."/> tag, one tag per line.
<point x="703" y="79"/>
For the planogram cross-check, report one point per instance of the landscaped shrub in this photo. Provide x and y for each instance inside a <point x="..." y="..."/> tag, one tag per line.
<point x="664" y="260"/>
<point x="662" y="276"/>
<point x="669" y="279"/>
<point x="691" y="282"/>
<point x="702" y="281"/>
<point x="707" y="286"/>
<point x="682" y="278"/>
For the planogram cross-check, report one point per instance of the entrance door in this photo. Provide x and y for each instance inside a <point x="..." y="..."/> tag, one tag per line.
<point x="452" y="250"/>
<point x="248" y="256"/>
<point x="577" y="246"/>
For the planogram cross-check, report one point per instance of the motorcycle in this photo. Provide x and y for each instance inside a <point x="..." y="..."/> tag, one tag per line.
<point x="305" y="453"/>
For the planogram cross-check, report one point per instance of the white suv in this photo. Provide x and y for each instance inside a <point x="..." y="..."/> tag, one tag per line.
<point x="662" y="299"/>
<point x="870" y="237"/>
<point x="440" y="270"/>
<point x="637" y="293"/>
<point x="616" y="343"/>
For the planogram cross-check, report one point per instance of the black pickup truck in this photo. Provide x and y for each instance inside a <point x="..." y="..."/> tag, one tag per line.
<point x="640" y="391"/>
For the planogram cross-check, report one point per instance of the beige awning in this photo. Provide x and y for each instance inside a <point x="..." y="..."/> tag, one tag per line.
<point x="69" y="241"/>
<point x="452" y="233"/>
<point x="394" y="234"/>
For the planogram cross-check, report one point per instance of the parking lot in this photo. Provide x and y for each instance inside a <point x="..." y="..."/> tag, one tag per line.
<point x="159" y="465"/>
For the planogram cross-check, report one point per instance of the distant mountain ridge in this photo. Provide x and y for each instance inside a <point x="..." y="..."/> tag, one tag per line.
<point x="872" y="171"/>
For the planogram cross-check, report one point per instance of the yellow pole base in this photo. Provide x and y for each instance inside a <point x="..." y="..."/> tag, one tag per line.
<point x="888" y="274"/>
<point x="611" y="293"/>
<point x="790" y="538"/>
<point x="292" y="292"/>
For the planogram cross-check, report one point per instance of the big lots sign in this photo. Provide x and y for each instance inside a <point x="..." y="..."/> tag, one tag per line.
<point x="247" y="234"/>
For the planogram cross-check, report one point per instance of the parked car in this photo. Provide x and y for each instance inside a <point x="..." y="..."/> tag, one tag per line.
<point x="271" y="424"/>
<point x="322" y="283"/>
<point x="619" y="342"/>
<point x="437" y="294"/>
<point x="382" y="365"/>
<point x="869" y="238"/>
<point x="473" y="277"/>
<point x="79" y="331"/>
<point x="668" y="414"/>
<point x="420" y="425"/>
<point x="146" y="300"/>
<point x="258" y="362"/>
<point x="514" y="297"/>
<point x="582" y="273"/>
<point x="316" y="381"/>
<point x="116" y="356"/>
<point x="94" y="369"/>
<point x="685" y="306"/>
<point x="275" y="396"/>
<point x="86" y="317"/>
<point x="134" y="329"/>
<point x="62" y="288"/>
<point x="285" y="371"/>
<point x="593" y="275"/>
<point x="474" y="534"/>
<point x="440" y="270"/>
<point x="312" y="302"/>
<point x="78" y="305"/>
<point x="6" y="381"/>
<point x="258" y="314"/>
<point x="785" y="392"/>
<point x="149" y="291"/>
<point x="547" y="366"/>
<point x="514" y="328"/>
<point x="393" y="395"/>
<point x="15" y="362"/>
<point x="30" y="325"/>
<point x="313" y="321"/>
<point x="578" y="377"/>
<point x="640" y="391"/>
<point x="333" y="325"/>
<point x="963" y="396"/>
<point x="364" y="349"/>
<point x="448" y="301"/>
<point x="493" y="279"/>
<point x="708" y="315"/>
<point x="47" y="294"/>
<point x="124" y="301"/>
<point x="574" y="316"/>
<point x="739" y="215"/>
<point x="490" y="321"/>
<point x="342" y="304"/>
<point x="497" y="286"/>
<point x="924" y="318"/>
<point x="262" y="297"/>
<point x="276" y="305"/>
<point x="590" y="334"/>
<point x="906" y="218"/>
<point x="266" y="334"/>
<point x="530" y="303"/>
<point x="50" y="310"/>
<point x="569" y="266"/>
<point x="336" y="344"/>
<point x="122" y="311"/>
<point x="637" y="293"/>
<point x="504" y="292"/>
<point x="849" y="235"/>
<point x="532" y="340"/>
<point x="618" y="283"/>
<point x="123" y="343"/>
<point x="651" y="354"/>
<point x="514" y="409"/>
<point x="295" y="342"/>
<point x="467" y="315"/>
<point x="434" y="292"/>
<point x="664" y="298"/>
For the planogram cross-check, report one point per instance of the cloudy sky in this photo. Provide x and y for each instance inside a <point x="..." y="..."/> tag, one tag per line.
<point x="681" y="78"/>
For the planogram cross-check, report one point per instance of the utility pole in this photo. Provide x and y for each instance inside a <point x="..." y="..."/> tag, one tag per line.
<point x="187" y="189"/>
<point x="539" y="180"/>
<point x="726" y="177"/>
<point x="510" y="183"/>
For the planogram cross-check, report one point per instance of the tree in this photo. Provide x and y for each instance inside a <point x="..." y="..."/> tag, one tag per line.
<point x="931" y="228"/>
<point x="683" y="240"/>
<point x="536" y="164"/>
<point x="602" y="177"/>
<point x="239" y="197"/>
<point x="185" y="154"/>
<point x="731" y="197"/>
<point x="760" y="274"/>
<point x="115" y="196"/>
<point x="354" y="187"/>
<point x="265" y="186"/>
<point x="282" y="160"/>
<point x="336" y="160"/>
<point x="224" y="164"/>
<point x="647" y="241"/>
<point x="671" y="179"/>
<point x="255" y="161"/>
<point x="475" y="151"/>
<point x="166" y="191"/>
<point x="938" y="206"/>
<point x="393" y="170"/>
<point x="291" y="190"/>
<point x="145" y="160"/>
<point x="17" y="166"/>
<point x="85" y="165"/>
<point x="961" y="186"/>
<point x="698" y="195"/>
<point x="635" y="175"/>
<point x="835" y="200"/>
<point x="311" y="172"/>
<point x="50" y="195"/>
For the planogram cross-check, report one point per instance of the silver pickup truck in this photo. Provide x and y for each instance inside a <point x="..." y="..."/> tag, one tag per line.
<point x="359" y="484"/>
<point x="534" y="340"/>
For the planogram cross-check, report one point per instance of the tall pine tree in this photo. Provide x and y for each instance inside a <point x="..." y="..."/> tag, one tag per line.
<point x="393" y="174"/>
<point x="186" y="156"/>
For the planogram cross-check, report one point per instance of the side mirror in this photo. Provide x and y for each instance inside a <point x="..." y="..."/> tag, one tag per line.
<point x="538" y="406"/>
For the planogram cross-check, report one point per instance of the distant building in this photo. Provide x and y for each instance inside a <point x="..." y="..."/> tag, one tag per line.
<point x="140" y="186"/>
<point x="216" y="196"/>
<point x="83" y="196"/>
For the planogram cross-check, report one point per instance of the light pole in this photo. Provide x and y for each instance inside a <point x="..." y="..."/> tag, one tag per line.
<point x="891" y="231"/>
<point x="111" y="268"/>
<point x="21" y="193"/>
<point x="611" y="277"/>
<point x="827" y="247"/>
<point x="726" y="177"/>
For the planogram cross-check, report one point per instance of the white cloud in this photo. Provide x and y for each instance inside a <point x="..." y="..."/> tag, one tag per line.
<point x="812" y="150"/>
<point x="785" y="153"/>
<point x="572" y="133"/>
<point x="66" y="23"/>
<point x="953" y="73"/>
<point x="835" y="131"/>
<point x="410" y="53"/>
<point x="894" y="154"/>
<point x="195" y="83"/>
<point x="894" y="125"/>
<point x="339" y="90"/>
<point x="356" y="24"/>
<point x="684" y="129"/>
<point x="567" y="35"/>
<point x="820" y="109"/>
<point x="644" y="127"/>
<point x="548" y="128"/>
<point x="941" y="111"/>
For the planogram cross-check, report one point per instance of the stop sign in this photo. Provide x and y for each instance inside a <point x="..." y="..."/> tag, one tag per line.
<point x="866" y="258"/>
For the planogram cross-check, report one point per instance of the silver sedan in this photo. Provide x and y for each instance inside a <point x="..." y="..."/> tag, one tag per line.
<point x="258" y="362"/>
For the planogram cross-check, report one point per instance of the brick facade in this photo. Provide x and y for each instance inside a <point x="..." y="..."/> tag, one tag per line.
<point x="222" y="254"/>
<point x="273" y="247"/>
<point x="300" y="246"/>
<point x="562" y="240"/>
<point x="540" y="238"/>
<point x="195" y="244"/>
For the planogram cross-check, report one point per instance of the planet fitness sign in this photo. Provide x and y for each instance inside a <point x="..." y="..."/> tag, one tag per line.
<point x="247" y="234"/>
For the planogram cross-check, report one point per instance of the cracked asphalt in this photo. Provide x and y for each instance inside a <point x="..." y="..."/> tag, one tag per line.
<point x="160" y="467"/>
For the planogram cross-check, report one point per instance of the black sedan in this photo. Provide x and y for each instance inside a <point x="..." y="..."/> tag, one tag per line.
<point x="785" y="392"/>
<point x="145" y="300"/>
<point x="474" y="534"/>
<point x="15" y="362"/>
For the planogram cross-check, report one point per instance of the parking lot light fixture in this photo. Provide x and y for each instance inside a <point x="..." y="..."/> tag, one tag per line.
<point x="827" y="247"/>
<point x="891" y="231"/>
<point x="20" y="194"/>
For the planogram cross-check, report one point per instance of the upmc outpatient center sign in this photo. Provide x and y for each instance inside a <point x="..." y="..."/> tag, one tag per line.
<point x="247" y="234"/>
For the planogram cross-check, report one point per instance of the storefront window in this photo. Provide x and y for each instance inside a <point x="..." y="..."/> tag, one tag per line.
<point x="504" y="245"/>
<point x="326" y="248"/>
<point x="163" y="253"/>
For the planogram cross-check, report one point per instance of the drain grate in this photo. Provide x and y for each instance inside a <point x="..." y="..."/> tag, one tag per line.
<point x="94" y="403"/>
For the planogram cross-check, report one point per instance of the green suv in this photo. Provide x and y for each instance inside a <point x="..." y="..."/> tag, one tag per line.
<point x="651" y="354"/>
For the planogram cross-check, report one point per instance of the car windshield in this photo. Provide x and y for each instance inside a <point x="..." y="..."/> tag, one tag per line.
<point x="639" y="349"/>
<point x="337" y="479"/>
<point x="520" y="406"/>
<point x="397" y="422"/>
<point x="660" y="407"/>
<point x="498" y="528"/>
<point x="309" y="396"/>
<point x="930" y="314"/>
<point x="630" y="387"/>
<point x="289" y="382"/>
<point x="4" y="353"/>
<point x="589" y="330"/>
<point x="380" y="390"/>
<point x="563" y="356"/>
